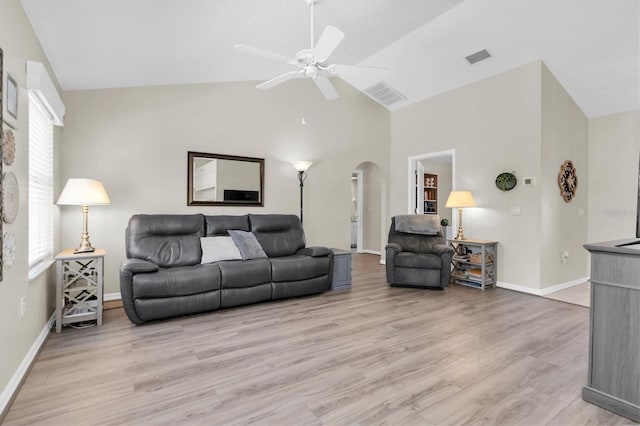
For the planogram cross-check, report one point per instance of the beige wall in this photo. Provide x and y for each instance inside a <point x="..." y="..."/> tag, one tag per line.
<point x="137" y="142"/>
<point x="17" y="332"/>
<point x="565" y="134"/>
<point x="494" y="126"/>
<point x="614" y="148"/>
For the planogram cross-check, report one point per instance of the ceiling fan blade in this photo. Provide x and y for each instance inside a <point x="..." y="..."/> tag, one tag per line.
<point x="280" y="79"/>
<point x="355" y="69"/>
<point x="326" y="87"/>
<point x="327" y="43"/>
<point x="264" y="53"/>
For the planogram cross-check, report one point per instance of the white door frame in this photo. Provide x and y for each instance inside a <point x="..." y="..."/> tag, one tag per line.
<point x="412" y="162"/>
<point x="359" y="200"/>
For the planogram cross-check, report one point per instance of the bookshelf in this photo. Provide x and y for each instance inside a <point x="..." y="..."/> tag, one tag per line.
<point x="430" y="194"/>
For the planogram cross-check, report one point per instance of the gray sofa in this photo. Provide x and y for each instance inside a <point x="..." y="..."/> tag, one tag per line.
<point x="163" y="277"/>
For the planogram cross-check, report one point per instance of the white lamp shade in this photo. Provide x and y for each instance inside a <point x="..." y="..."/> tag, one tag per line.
<point x="302" y="166"/>
<point x="83" y="192"/>
<point x="458" y="199"/>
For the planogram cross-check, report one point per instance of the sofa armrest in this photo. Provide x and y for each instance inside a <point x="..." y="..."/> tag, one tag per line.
<point x="315" y="252"/>
<point x="137" y="266"/>
<point x="128" y="269"/>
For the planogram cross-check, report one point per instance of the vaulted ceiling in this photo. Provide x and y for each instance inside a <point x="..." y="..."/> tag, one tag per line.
<point x="591" y="46"/>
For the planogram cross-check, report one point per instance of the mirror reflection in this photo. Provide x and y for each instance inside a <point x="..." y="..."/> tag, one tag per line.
<point x="215" y="179"/>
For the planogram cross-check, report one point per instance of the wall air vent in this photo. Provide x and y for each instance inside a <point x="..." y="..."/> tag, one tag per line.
<point x="478" y="56"/>
<point x="385" y="94"/>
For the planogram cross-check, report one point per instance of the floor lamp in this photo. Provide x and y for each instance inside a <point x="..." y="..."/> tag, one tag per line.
<point x="302" y="167"/>
<point x="459" y="200"/>
<point x="85" y="193"/>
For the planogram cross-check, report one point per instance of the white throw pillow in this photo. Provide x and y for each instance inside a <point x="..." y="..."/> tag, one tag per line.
<point x="218" y="248"/>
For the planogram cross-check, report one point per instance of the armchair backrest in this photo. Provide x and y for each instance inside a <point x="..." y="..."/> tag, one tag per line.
<point x="415" y="243"/>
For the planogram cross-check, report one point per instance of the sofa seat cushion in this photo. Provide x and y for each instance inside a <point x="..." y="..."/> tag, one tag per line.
<point x="298" y="268"/>
<point x="180" y="281"/>
<point x="418" y="260"/>
<point x="244" y="273"/>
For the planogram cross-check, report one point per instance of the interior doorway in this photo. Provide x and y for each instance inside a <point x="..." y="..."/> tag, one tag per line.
<point x="370" y="207"/>
<point x="431" y="179"/>
<point x="357" y="182"/>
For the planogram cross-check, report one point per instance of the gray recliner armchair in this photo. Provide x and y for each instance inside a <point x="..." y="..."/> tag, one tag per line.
<point x="417" y="253"/>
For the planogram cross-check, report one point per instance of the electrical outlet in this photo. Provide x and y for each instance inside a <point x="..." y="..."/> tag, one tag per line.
<point x="564" y="257"/>
<point x="23" y="305"/>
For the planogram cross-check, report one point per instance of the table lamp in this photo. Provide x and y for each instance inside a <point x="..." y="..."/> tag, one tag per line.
<point x="460" y="200"/>
<point x="85" y="193"/>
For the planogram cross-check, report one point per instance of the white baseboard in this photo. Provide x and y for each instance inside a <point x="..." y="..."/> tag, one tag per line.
<point x="542" y="291"/>
<point x="110" y="297"/>
<point x="14" y="383"/>
<point x="377" y="253"/>
<point x="562" y="286"/>
<point x="520" y="288"/>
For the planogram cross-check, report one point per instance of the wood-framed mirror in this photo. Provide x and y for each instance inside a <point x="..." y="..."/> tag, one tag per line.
<point x="224" y="180"/>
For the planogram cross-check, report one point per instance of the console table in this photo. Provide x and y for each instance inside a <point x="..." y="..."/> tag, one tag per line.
<point x="79" y="287"/>
<point x="475" y="263"/>
<point x="614" y="335"/>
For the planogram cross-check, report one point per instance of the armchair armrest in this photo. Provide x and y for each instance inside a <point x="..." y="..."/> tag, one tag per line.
<point x="315" y="252"/>
<point x="441" y="249"/>
<point x="394" y="247"/>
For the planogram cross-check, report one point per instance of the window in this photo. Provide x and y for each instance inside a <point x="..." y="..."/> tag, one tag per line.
<point x="40" y="186"/>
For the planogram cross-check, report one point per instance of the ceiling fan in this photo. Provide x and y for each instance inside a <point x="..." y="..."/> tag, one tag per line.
<point x="312" y="63"/>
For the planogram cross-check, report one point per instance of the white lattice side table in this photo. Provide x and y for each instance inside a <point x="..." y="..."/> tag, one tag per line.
<point x="79" y="287"/>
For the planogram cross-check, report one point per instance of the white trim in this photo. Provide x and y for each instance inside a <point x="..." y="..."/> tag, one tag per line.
<point x="383" y="261"/>
<point x="542" y="291"/>
<point x="562" y="286"/>
<point x="110" y="297"/>
<point x="520" y="288"/>
<point x="40" y="82"/>
<point x="360" y="209"/>
<point x="371" y="252"/>
<point x="14" y="383"/>
<point x="39" y="268"/>
<point x="412" y="167"/>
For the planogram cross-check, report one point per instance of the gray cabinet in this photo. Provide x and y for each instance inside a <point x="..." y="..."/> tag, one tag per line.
<point x="614" y="336"/>
<point x="341" y="279"/>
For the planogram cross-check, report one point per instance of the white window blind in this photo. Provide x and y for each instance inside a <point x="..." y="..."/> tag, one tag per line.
<point x="40" y="183"/>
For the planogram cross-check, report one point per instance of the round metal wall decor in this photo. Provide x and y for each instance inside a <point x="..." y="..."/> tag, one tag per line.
<point x="10" y="197"/>
<point x="506" y="181"/>
<point x="568" y="181"/>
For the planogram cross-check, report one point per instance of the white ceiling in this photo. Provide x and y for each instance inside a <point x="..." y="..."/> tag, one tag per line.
<point x="591" y="46"/>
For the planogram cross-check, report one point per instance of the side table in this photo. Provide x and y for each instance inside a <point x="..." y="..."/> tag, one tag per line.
<point x="341" y="279"/>
<point x="475" y="263"/>
<point x="79" y="287"/>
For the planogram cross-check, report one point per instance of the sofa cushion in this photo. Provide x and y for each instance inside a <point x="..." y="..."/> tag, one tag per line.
<point x="246" y="273"/>
<point x="219" y="225"/>
<point x="418" y="260"/>
<point x="297" y="268"/>
<point x="166" y="240"/>
<point x="247" y="244"/>
<point x="179" y="281"/>
<point x="278" y="234"/>
<point x="215" y="249"/>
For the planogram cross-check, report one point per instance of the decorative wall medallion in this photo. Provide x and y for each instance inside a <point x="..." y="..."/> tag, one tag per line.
<point x="8" y="249"/>
<point x="8" y="147"/>
<point x="10" y="197"/>
<point x="568" y="181"/>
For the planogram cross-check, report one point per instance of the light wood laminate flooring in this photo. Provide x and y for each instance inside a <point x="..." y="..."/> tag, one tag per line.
<point x="374" y="355"/>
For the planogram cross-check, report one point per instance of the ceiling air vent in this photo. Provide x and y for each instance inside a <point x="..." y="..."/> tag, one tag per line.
<point x="385" y="94"/>
<point x="478" y="56"/>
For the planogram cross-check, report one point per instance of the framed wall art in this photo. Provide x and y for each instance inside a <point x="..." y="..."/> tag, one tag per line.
<point x="12" y="96"/>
